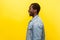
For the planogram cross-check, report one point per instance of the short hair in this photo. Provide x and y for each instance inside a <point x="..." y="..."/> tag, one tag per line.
<point x="36" y="6"/>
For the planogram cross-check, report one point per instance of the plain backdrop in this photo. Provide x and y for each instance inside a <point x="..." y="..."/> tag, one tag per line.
<point x="14" y="18"/>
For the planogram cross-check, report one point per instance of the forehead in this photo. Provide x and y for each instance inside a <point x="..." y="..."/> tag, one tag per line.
<point x="30" y="6"/>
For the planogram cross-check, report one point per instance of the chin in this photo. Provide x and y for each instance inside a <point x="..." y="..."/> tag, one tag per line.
<point x="30" y="15"/>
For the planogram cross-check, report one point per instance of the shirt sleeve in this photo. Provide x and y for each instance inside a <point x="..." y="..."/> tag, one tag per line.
<point x="37" y="32"/>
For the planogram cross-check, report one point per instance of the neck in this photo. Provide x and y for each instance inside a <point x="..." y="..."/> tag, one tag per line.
<point x="34" y="15"/>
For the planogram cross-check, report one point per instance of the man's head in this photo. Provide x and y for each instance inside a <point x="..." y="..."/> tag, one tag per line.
<point x="34" y="9"/>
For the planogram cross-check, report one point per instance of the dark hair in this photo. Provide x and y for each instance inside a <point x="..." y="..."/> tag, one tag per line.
<point x="36" y="6"/>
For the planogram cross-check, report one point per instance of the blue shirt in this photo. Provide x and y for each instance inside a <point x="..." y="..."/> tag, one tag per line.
<point x="35" y="29"/>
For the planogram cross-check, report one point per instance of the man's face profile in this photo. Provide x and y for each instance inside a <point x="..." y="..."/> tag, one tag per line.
<point x="34" y="9"/>
<point x="31" y="10"/>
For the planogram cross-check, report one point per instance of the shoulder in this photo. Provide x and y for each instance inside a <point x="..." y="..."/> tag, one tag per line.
<point x="38" y="22"/>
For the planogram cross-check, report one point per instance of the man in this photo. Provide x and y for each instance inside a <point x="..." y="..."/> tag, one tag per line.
<point x="35" y="29"/>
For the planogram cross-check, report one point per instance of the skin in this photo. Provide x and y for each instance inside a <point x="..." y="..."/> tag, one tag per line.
<point x="32" y="12"/>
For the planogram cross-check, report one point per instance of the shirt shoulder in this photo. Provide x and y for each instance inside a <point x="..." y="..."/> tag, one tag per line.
<point x="38" y="22"/>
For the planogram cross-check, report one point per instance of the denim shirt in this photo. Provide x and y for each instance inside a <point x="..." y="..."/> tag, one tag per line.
<point x="35" y="29"/>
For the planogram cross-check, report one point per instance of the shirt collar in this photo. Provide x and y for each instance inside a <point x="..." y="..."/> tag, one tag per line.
<point x="34" y="18"/>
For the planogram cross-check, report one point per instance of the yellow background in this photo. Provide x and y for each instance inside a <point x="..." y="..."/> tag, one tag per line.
<point x="14" y="18"/>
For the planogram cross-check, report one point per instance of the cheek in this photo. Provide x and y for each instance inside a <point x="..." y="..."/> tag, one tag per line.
<point x="31" y="10"/>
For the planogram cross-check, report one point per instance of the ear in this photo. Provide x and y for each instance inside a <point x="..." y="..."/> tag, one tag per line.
<point x="35" y="11"/>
